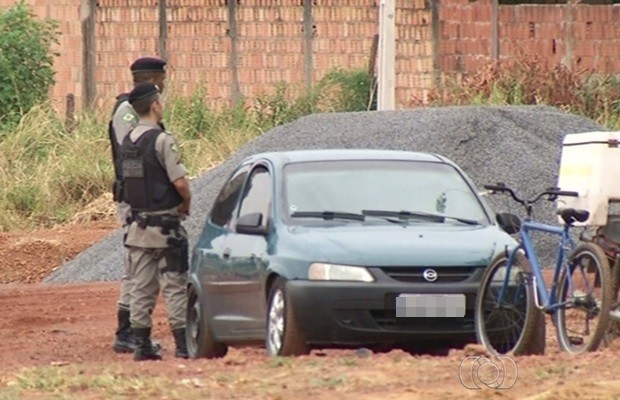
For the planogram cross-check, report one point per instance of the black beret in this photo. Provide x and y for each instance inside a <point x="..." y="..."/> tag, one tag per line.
<point x="142" y="91"/>
<point x="148" y="64"/>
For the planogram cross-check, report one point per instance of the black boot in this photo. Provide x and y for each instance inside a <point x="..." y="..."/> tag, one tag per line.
<point x="181" y="343"/>
<point x="124" y="341"/>
<point x="144" y="346"/>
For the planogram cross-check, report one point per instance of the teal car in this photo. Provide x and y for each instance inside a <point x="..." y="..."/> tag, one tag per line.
<point x="337" y="248"/>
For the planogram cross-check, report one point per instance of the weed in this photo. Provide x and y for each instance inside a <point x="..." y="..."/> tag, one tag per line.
<point x="349" y="362"/>
<point x="26" y="60"/>
<point x="48" y="174"/>
<point x="549" y="372"/>
<point x="278" y="362"/>
<point x="526" y="80"/>
<point x="329" y="382"/>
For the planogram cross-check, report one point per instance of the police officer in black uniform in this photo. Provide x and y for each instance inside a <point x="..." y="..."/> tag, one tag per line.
<point x="156" y="188"/>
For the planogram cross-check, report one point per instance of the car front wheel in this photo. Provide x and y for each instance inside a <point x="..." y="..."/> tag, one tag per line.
<point x="284" y="337"/>
<point x="200" y="343"/>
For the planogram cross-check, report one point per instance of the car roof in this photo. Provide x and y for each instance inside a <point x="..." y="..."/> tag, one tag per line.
<point x="285" y="157"/>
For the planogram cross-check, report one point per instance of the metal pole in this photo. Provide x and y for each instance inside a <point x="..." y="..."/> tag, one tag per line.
<point x="387" y="51"/>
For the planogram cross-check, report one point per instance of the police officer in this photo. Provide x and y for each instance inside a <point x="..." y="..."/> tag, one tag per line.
<point x="124" y="119"/>
<point x="158" y="193"/>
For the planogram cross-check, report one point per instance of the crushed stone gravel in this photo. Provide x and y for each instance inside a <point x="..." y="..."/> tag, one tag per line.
<point x="518" y="145"/>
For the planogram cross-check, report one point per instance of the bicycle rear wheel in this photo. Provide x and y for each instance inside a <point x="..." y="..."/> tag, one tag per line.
<point x="515" y="326"/>
<point x="581" y="323"/>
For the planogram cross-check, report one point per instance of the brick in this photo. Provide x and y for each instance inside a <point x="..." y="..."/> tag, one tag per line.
<point x="198" y="44"/>
<point x="550" y="30"/>
<point x="585" y="48"/>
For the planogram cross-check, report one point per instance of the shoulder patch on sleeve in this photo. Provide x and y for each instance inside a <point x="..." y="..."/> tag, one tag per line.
<point x="129" y="117"/>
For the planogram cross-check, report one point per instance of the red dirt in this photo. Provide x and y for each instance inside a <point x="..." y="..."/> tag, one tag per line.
<point x="73" y="324"/>
<point x="28" y="257"/>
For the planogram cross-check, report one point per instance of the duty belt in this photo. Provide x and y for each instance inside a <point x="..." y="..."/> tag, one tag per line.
<point x="166" y="221"/>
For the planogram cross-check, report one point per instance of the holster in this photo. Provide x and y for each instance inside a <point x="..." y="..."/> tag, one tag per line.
<point x="177" y="255"/>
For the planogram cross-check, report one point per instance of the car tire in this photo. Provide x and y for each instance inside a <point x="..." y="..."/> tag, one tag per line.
<point x="200" y="342"/>
<point x="284" y="337"/>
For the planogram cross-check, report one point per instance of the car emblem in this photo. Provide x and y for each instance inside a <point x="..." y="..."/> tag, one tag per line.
<point x="430" y="275"/>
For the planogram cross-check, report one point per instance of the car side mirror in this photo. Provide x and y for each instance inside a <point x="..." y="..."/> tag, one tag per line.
<point x="251" y="224"/>
<point x="509" y="223"/>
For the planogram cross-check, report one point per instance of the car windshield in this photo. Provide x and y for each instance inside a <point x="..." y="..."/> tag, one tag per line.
<point x="394" y="191"/>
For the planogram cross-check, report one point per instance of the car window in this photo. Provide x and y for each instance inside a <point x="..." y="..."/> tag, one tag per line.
<point x="225" y="203"/>
<point x="257" y="193"/>
<point x="353" y="186"/>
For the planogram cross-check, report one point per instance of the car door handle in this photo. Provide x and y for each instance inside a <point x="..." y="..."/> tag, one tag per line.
<point x="226" y="253"/>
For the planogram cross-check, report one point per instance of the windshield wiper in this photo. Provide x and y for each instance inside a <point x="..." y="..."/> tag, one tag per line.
<point x="328" y="215"/>
<point x="464" y="220"/>
<point x="406" y="215"/>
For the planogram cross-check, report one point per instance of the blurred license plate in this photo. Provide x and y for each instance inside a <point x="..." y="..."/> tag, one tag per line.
<point x="430" y="305"/>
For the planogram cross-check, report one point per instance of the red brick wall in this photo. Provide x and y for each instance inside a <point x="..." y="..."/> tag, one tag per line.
<point x="271" y="41"/>
<point x="270" y="45"/>
<point x="465" y="35"/>
<point x="124" y="31"/>
<point x="199" y="48"/>
<point x="582" y="36"/>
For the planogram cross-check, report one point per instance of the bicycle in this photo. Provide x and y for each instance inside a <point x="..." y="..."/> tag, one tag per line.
<point x="513" y="297"/>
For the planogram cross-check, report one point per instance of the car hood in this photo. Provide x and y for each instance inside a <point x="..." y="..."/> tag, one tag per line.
<point x="396" y="245"/>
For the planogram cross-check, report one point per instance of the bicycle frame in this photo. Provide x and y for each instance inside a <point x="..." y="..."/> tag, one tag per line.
<point x="566" y="245"/>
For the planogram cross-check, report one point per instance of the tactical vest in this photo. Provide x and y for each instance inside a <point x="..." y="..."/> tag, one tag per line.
<point x="116" y="150"/>
<point x="146" y="186"/>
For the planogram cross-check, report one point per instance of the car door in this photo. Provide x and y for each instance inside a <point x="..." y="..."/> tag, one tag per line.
<point x="248" y="251"/>
<point x="215" y="270"/>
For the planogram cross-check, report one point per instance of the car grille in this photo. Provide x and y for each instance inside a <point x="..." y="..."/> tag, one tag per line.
<point x="415" y="274"/>
<point x="386" y="319"/>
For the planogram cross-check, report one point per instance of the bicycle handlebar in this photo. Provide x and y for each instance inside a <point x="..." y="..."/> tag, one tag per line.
<point x="552" y="192"/>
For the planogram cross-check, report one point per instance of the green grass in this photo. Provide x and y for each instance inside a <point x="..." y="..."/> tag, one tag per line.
<point x="71" y="383"/>
<point x="48" y="173"/>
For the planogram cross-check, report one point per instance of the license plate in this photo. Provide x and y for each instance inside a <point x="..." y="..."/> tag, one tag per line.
<point x="430" y="305"/>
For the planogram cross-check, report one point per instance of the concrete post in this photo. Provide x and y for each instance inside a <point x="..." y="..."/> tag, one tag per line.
<point x="436" y="43"/>
<point x="234" y="67"/>
<point x="495" y="33"/>
<point x="387" y="56"/>
<point x="162" y="45"/>
<point x="308" y="29"/>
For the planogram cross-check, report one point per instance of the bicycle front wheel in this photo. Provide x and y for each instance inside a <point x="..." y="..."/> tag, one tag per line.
<point x="587" y="293"/>
<point x="511" y="324"/>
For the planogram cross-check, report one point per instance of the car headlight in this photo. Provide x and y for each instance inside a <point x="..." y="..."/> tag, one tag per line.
<point x="333" y="272"/>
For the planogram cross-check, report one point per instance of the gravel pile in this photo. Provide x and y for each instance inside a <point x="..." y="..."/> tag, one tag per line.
<point x="520" y="146"/>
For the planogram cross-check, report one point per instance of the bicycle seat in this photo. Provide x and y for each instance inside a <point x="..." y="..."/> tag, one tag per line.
<point x="570" y="215"/>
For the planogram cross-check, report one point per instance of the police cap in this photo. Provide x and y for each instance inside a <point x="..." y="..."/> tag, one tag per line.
<point x="142" y="91"/>
<point x="148" y="64"/>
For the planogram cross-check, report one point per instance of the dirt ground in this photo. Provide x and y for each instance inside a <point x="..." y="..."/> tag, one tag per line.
<point x="70" y="328"/>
